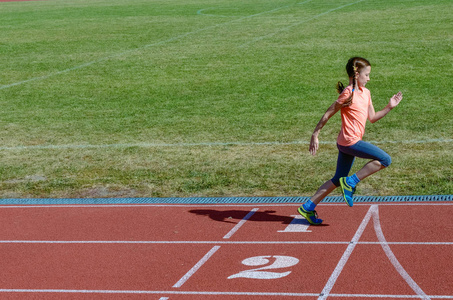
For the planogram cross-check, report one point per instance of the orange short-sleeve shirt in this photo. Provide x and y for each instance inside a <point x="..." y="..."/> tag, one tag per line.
<point x="353" y="117"/>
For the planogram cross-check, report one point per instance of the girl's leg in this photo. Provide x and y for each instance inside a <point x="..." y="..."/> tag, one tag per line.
<point x="344" y="165"/>
<point x="369" y="169"/>
<point x="379" y="159"/>
<point x="307" y="210"/>
<point x="323" y="192"/>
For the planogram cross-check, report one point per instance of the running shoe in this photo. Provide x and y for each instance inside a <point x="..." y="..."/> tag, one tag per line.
<point x="347" y="191"/>
<point x="311" y="216"/>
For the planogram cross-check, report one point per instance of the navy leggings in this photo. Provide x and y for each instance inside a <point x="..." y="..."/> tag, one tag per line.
<point x="361" y="149"/>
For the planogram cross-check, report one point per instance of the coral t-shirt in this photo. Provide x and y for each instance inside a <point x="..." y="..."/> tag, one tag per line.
<point x="353" y="117"/>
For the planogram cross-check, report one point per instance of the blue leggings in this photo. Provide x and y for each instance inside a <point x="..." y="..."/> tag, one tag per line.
<point x="360" y="149"/>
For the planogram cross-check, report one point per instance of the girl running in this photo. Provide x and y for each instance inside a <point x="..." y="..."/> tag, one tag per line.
<point x="356" y="107"/>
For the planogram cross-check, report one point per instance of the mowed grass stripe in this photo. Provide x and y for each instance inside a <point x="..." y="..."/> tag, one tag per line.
<point x="176" y="38"/>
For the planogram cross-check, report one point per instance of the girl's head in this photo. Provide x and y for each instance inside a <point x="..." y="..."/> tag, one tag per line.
<point x="356" y="64"/>
<point x="358" y="69"/>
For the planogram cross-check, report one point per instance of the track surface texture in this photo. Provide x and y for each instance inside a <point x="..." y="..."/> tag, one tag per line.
<point x="401" y="250"/>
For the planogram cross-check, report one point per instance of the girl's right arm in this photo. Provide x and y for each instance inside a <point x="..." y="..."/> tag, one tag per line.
<point x="314" y="143"/>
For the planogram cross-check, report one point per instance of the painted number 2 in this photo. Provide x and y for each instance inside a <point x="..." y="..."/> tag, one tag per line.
<point x="279" y="262"/>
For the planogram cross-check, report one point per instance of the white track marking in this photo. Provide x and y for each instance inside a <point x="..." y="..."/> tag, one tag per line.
<point x="344" y="259"/>
<point x="376" y="296"/>
<point x="197" y="266"/>
<point x="380" y="235"/>
<point x="355" y="240"/>
<point x="298" y="224"/>
<point x="204" y="144"/>
<point x="262" y="294"/>
<point x="408" y="243"/>
<point x="239" y="225"/>
<point x="164" y="298"/>
<point x="226" y="242"/>
<point x="177" y="242"/>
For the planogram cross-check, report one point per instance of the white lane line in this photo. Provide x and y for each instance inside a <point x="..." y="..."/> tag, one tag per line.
<point x="207" y="293"/>
<point x="408" y="243"/>
<point x="164" y="298"/>
<point x="239" y="225"/>
<point x="226" y="242"/>
<point x="204" y="144"/>
<point x="375" y="296"/>
<point x="343" y="260"/>
<point x="380" y="235"/>
<point x="197" y="266"/>
<point x="157" y="292"/>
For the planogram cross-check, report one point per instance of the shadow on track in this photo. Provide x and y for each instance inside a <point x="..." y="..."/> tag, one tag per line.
<point x="228" y="216"/>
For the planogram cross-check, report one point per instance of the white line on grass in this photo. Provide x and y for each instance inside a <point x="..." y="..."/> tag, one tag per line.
<point x="204" y="144"/>
<point x="344" y="259"/>
<point x="380" y="235"/>
<point x="196" y="267"/>
<point x="176" y="38"/>
<point x="201" y="11"/>
<point x="298" y="23"/>
<point x="2" y="87"/>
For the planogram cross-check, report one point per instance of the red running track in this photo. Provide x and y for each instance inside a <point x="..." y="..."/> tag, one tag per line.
<point x="170" y="252"/>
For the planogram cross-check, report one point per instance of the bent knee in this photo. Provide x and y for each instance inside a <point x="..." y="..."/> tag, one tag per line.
<point x="386" y="161"/>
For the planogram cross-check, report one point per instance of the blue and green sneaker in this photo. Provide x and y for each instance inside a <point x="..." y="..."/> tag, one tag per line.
<point x="347" y="191"/>
<point x="311" y="216"/>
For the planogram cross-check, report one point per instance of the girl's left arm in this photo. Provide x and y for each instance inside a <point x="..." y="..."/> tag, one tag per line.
<point x="376" y="116"/>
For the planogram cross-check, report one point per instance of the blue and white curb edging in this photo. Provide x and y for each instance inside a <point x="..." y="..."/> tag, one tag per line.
<point x="221" y="200"/>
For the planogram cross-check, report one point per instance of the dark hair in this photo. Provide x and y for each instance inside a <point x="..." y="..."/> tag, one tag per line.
<point x="355" y="64"/>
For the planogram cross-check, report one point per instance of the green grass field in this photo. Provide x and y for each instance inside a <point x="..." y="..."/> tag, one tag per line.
<point x="147" y="98"/>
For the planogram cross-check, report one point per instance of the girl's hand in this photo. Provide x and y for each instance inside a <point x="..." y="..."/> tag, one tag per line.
<point x="395" y="100"/>
<point x="314" y="144"/>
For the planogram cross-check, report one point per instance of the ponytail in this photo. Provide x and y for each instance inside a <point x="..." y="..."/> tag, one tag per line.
<point x="340" y="87"/>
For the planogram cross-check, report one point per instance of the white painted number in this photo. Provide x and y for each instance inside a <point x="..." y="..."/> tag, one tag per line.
<point x="280" y="262"/>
